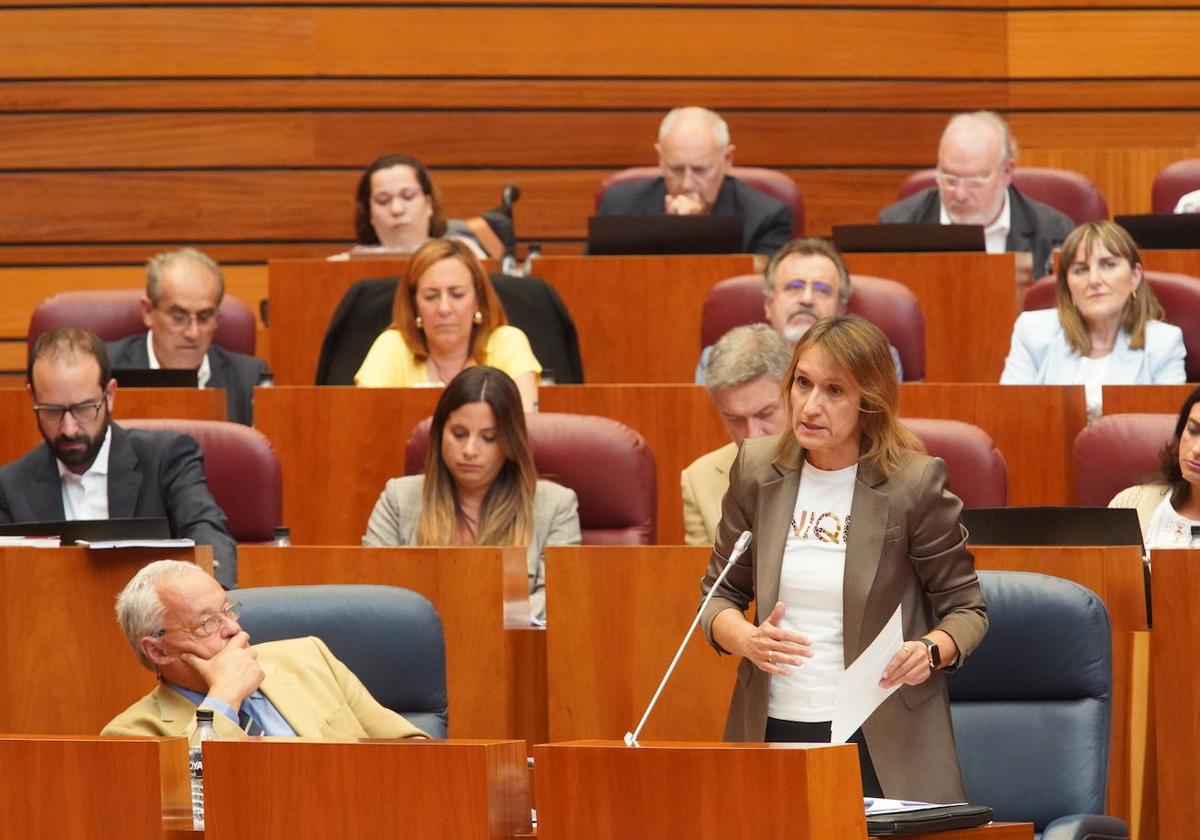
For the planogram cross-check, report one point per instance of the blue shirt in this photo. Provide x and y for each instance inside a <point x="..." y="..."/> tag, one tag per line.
<point x="257" y="705"/>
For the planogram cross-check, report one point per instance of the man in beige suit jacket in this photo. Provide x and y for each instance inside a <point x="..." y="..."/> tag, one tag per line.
<point x="743" y="375"/>
<point x="181" y="625"/>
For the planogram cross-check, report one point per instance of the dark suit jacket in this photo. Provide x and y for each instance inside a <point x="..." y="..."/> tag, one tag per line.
<point x="150" y="473"/>
<point x="905" y="547"/>
<point x="237" y="373"/>
<point x="766" y="221"/>
<point x="1036" y="227"/>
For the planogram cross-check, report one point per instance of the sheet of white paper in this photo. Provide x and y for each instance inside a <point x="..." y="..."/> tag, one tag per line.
<point x="858" y="691"/>
<point x="895" y="806"/>
<point x="182" y="542"/>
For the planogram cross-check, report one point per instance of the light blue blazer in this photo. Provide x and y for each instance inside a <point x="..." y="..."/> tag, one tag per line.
<point x="1040" y="355"/>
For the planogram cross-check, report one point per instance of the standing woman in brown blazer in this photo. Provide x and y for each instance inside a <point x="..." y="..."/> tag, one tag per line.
<point x="850" y="519"/>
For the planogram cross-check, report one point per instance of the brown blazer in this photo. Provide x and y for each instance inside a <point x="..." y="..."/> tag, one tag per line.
<point x="905" y="545"/>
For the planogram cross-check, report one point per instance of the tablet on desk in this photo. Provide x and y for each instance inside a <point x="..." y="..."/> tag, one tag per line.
<point x="93" y="530"/>
<point x="155" y="377"/>
<point x="1163" y="230"/>
<point x="664" y="234"/>
<point x="886" y="238"/>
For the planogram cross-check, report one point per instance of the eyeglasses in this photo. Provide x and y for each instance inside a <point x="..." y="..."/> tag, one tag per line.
<point x="796" y="288"/>
<point x="83" y="412"/>
<point x="180" y="317"/>
<point x="971" y="183"/>
<point x="210" y="624"/>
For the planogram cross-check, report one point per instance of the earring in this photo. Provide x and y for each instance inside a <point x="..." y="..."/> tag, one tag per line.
<point x="478" y="317"/>
<point x="420" y="323"/>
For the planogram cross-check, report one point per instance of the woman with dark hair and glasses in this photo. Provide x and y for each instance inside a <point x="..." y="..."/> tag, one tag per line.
<point x="480" y="486"/>
<point x="1169" y="508"/>
<point x="397" y="209"/>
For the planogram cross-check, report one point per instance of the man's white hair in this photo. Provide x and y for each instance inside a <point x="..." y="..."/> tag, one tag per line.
<point x="1007" y="142"/>
<point x="139" y="609"/>
<point x="718" y="126"/>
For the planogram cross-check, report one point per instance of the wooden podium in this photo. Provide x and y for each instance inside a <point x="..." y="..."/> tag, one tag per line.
<point x="304" y="787"/>
<point x="98" y="788"/>
<point x="604" y="790"/>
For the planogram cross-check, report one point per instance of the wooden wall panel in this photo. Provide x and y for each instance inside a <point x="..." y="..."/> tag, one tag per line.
<point x="1122" y="43"/>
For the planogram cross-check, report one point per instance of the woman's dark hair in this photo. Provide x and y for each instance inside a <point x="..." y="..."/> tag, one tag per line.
<point x="364" y="231"/>
<point x="506" y="517"/>
<point x="1171" y="473"/>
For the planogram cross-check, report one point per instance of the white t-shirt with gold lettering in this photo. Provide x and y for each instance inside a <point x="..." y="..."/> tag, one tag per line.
<point x="810" y="586"/>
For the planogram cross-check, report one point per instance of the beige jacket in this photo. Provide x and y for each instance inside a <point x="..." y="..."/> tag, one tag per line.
<point x="704" y="482"/>
<point x="906" y="546"/>
<point x="316" y="694"/>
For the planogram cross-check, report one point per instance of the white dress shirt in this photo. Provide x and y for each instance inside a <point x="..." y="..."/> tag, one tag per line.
<point x="202" y="375"/>
<point x="86" y="496"/>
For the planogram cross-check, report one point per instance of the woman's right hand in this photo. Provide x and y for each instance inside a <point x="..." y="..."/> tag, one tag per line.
<point x="770" y="647"/>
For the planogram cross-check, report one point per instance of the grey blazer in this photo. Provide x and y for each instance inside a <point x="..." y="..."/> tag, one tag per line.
<point x="150" y="473"/>
<point x="237" y="373"/>
<point x="906" y="547"/>
<point x="555" y="522"/>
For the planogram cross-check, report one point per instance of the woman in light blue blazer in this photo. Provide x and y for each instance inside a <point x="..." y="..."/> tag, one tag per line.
<point x="480" y="486"/>
<point x="1105" y="329"/>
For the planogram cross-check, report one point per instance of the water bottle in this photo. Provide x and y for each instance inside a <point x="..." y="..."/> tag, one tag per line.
<point x="283" y="536"/>
<point x="204" y="732"/>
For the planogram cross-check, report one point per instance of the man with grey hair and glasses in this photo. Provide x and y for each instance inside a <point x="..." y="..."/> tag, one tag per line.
<point x="743" y="377"/>
<point x="694" y="156"/>
<point x="181" y="311"/>
<point x="183" y="627"/>
<point x="976" y="158"/>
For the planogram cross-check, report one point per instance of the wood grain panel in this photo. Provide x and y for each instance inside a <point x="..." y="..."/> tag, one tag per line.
<point x="60" y="254"/>
<point x="1104" y="44"/>
<point x="1040" y="470"/>
<point x="59" y="640"/>
<point x="474" y="790"/>
<point x="448" y="139"/>
<point x="1123" y="175"/>
<point x="1176" y="691"/>
<point x="482" y="41"/>
<point x="22" y="289"/>
<point x="734" y="94"/>
<point x="1145" y="399"/>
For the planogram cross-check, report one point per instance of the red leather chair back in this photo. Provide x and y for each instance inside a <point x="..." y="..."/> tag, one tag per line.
<point x="242" y="471"/>
<point x="770" y="181"/>
<point x="116" y="313"/>
<point x="976" y="470"/>
<point x="1172" y="182"/>
<point x="1179" y="295"/>
<point x="1062" y="189"/>
<point x="606" y="463"/>
<point x="889" y="305"/>
<point x="1118" y="451"/>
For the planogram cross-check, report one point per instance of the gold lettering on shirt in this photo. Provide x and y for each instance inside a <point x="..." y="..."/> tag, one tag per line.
<point x="824" y="527"/>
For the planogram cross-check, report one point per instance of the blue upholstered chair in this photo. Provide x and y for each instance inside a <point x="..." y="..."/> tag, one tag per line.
<point x="1032" y="708"/>
<point x="391" y="638"/>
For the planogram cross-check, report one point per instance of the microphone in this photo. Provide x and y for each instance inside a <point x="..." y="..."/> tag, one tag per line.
<point x="739" y="548"/>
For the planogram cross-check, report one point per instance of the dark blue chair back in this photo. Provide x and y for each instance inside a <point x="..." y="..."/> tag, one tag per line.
<point x="391" y="638"/>
<point x="1032" y="705"/>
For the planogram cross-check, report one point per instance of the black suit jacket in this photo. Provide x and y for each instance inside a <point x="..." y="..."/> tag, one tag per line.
<point x="237" y="373"/>
<point x="150" y="473"/>
<point x="1036" y="227"/>
<point x="766" y="221"/>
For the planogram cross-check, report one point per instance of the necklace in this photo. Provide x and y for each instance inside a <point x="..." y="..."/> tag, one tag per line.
<point x="439" y="376"/>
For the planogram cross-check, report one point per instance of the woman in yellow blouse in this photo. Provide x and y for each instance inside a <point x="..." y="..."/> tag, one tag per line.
<point x="446" y="317"/>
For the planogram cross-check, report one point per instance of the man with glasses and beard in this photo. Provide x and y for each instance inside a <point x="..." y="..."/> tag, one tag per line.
<point x="91" y="468"/>
<point x="975" y="164"/>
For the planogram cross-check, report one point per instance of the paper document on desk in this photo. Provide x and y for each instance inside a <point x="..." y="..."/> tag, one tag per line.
<point x="858" y="691"/>
<point x="182" y="542"/>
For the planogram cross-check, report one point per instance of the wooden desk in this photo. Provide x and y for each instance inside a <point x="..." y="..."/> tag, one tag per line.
<point x="19" y="429"/>
<point x="305" y="787"/>
<point x="623" y="612"/>
<point x="1145" y="399"/>
<point x="1033" y="426"/>
<point x="638" y="318"/>
<point x="332" y="478"/>
<point x="495" y="662"/>
<point x="1176" y="592"/>
<point x="93" y="787"/>
<point x="59" y="641"/>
